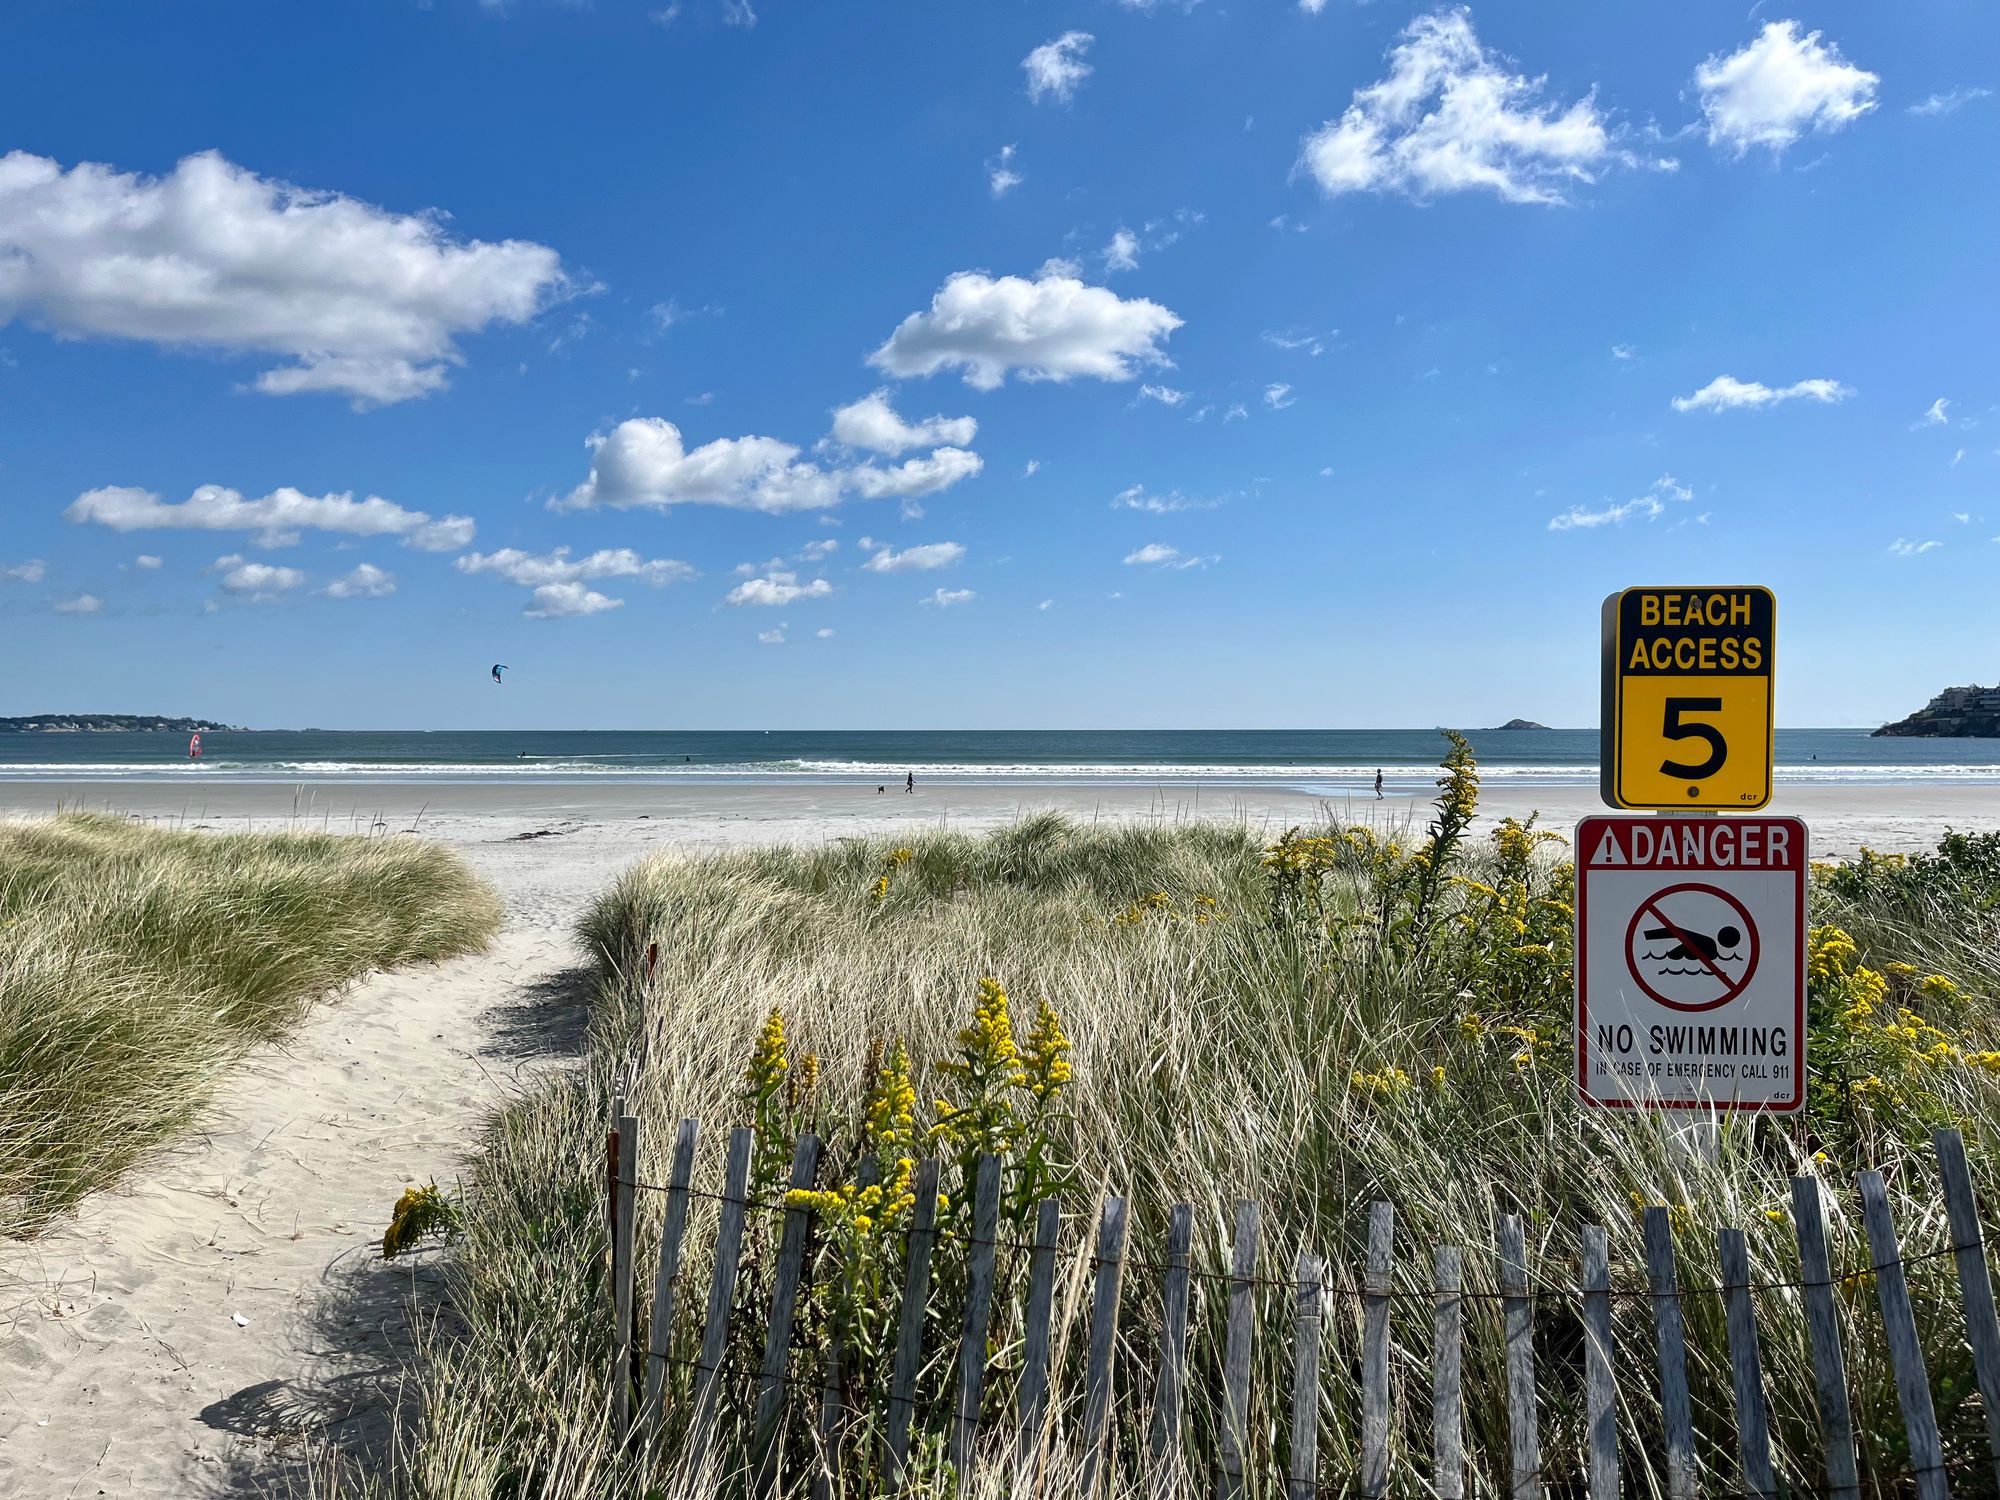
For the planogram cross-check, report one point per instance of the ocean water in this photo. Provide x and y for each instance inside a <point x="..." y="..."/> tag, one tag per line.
<point x="1320" y="760"/>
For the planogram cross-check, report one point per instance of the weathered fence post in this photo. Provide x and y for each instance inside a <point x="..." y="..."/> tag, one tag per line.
<point x="659" y="1335"/>
<point x="1836" y="1416"/>
<point x="835" y="1414"/>
<point x="910" y="1321"/>
<point x="624" y="1218"/>
<point x="1032" y="1398"/>
<point x="1676" y="1412"/>
<point x="1447" y="1400"/>
<point x="1165" y="1438"/>
<point x="1524" y="1442"/>
<point x="1375" y="1351"/>
<point x="1305" y="1378"/>
<point x="1097" y="1395"/>
<point x="1975" y="1286"/>
<point x="1913" y="1388"/>
<point x="1746" y="1373"/>
<point x="1600" y="1381"/>
<point x="1236" y="1351"/>
<point x="978" y="1313"/>
<point x="721" y="1293"/>
<point x="784" y="1303"/>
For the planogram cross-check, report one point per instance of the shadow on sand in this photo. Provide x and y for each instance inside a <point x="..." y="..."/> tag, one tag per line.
<point x="366" y="1329"/>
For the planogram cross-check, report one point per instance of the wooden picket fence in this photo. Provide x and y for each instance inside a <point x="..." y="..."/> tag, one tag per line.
<point x="641" y="1385"/>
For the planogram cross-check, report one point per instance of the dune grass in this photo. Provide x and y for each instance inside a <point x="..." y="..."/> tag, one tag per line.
<point x="1318" y="1026"/>
<point x="138" y="963"/>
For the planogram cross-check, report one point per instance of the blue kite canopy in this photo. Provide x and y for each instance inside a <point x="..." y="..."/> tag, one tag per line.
<point x="498" y="668"/>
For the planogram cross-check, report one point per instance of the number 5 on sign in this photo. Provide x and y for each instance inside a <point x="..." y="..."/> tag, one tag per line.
<point x="1687" y="697"/>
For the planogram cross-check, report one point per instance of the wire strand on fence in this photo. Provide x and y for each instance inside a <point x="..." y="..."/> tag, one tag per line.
<point x="1534" y="1293"/>
<point x="734" y="1370"/>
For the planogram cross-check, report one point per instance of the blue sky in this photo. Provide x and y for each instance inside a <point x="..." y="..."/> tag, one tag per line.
<point x="1239" y="364"/>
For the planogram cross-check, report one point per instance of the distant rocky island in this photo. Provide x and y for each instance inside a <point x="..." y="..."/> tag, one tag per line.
<point x="111" y="724"/>
<point x="1515" y="724"/>
<point x="1970" y="713"/>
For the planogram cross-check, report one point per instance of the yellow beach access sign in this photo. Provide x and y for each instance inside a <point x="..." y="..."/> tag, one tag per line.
<point x="1687" y="698"/>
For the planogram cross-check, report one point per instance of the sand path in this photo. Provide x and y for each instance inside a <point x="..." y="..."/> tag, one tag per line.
<point x="186" y="1330"/>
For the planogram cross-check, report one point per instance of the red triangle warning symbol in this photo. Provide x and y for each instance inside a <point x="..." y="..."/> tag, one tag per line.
<point x="1608" y="851"/>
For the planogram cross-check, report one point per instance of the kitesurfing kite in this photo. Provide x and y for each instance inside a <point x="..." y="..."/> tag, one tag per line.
<point x="498" y="668"/>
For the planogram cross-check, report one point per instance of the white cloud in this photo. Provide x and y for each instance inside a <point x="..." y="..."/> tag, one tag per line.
<point x="1665" y="491"/>
<point x="1166" y="395"/>
<point x="78" y="604"/>
<point x="532" y="570"/>
<point x="643" y="462"/>
<point x="277" y="518"/>
<point x="1051" y="328"/>
<point x="146" y="561"/>
<point x="915" y="559"/>
<point x="1278" y="396"/>
<point x="1122" y="254"/>
<point x="1937" y="413"/>
<point x="1237" y="412"/>
<point x="259" y="582"/>
<point x="1001" y="174"/>
<point x="366" y="582"/>
<point x="34" y="570"/>
<point x="777" y="588"/>
<point x="872" y="423"/>
<point x="563" y="601"/>
<point x="1903" y="548"/>
<point x="819" y="550"/>
<point x="1451" y="117"/>
<point x="774" y="637"/>
<point x="1160" y="555"/>
<point x="1778" y="87"/>
<point x="1727" y="393"/>
<point x="1312" y="7"/>
<point x="1623" y="351"/>
<point x="1046" y="604"/>
<point x="1135" y="497"/>
<point x="367" y="302"/>
<point x="1298" y="339"/>
<point x="946" y="598"/>
<point x="914" y="476"/>
<point x="1949" y="102"/>
<point x="1055" y="68"/>
<point x="738" y="13"/>
<point x="1033" y="465"/>
<point x="824" y="633"/>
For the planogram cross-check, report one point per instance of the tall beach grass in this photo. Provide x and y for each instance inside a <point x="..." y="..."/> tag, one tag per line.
<point x="138" y="963"/>
<point x="1236" y="1033"/>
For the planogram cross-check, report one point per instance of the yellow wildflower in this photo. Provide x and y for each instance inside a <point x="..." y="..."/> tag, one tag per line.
<point x="768" y="1063"/>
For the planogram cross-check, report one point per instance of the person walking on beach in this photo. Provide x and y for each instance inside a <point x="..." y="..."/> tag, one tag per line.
<point x="910" y="781"/>
<point x="1378" y="783"/>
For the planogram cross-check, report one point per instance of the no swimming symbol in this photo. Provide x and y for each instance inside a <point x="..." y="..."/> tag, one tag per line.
<point x="1692" y="946"/>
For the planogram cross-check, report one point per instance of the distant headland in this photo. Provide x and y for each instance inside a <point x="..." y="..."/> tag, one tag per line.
<point x="1956" y="713"/>
<point x="1515" y="724"/>
<point x="112" y="724"/>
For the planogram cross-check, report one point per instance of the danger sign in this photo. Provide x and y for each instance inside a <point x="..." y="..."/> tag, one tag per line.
<point x="1687" y="698"/>
<point x="1690" y="962"/>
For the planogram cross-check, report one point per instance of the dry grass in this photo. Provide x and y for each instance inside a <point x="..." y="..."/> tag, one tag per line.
<point x="1214" y="1060"/>
<point x="137" y="964"/>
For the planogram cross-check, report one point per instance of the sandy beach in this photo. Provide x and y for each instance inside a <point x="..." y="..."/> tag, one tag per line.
<point x="591" y="827"/>
<point x="192" y="1331"/>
